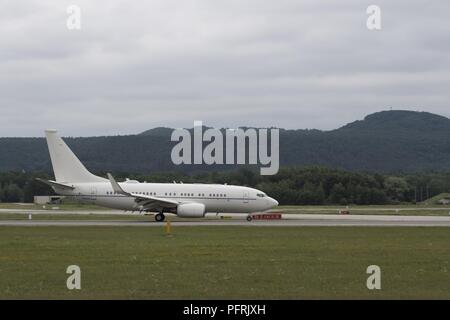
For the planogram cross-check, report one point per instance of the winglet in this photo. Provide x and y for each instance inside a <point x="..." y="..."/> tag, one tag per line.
<point x="116" y="187"/>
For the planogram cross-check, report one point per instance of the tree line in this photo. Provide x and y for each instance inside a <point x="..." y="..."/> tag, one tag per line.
<point x="312" y="185"/>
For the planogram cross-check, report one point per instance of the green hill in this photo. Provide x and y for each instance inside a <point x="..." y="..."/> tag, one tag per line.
<point x="387" y="141"/>
<point x="435" y="200"/>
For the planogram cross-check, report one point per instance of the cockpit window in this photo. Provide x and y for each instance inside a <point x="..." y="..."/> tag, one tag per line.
<point x="261" y="195"/>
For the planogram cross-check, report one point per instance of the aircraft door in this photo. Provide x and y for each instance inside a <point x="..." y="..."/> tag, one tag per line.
<point x="93" y="194"/>
<point x="245" y="196"/>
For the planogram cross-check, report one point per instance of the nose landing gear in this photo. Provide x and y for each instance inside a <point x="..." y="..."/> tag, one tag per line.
<point x="249" y="218"/>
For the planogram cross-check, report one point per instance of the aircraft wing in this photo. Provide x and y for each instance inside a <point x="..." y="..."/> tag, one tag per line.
<point x="147" y="202"/>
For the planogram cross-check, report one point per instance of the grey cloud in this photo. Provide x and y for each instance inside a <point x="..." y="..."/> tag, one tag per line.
<point x="308" y="64"/>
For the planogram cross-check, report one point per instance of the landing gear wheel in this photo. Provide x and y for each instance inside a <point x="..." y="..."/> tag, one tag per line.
<point x="249" y="218"/>
<point x="160" y="217"/>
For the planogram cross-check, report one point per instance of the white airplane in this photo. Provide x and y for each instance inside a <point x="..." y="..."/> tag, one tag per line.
<point x="73" y="180"/>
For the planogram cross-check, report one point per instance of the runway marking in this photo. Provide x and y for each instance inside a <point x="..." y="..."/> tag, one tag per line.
<point x="288" y="220"/>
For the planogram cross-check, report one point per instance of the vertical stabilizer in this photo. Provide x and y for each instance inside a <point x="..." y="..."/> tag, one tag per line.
<point x="66" y="166"/>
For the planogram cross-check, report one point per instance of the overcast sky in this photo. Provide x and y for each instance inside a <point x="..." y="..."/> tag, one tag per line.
<point x="135" y="65"/>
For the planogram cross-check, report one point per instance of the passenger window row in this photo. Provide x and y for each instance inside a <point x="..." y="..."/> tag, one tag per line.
<point x="143" y="193"/>
<point x="214" y="195"/>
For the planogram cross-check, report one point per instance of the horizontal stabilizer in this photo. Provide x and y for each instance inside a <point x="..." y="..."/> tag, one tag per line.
<point x="55" y="184"/>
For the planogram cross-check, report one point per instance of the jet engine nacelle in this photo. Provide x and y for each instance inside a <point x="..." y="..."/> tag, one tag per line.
<point x="191" y="210"/>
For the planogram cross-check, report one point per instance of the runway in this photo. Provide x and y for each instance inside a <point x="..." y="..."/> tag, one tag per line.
<point x="288" y="220"/>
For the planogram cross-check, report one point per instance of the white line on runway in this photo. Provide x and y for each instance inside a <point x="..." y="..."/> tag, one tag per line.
<point x="235" y="220"/>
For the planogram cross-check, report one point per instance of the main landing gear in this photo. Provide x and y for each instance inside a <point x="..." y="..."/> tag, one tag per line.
<point x="249" y="218"/>
<point x="160" y="217"/>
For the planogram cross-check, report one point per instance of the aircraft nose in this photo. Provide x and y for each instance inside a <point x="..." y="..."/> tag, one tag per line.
<point x="273" y="202"/>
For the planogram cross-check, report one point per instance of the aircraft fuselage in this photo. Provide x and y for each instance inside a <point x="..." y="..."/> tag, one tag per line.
<point x="215" y="197"/>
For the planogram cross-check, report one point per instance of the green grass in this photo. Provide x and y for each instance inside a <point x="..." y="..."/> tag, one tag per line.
<point x="92" y="216"/>
<point x="224" y="262"/>
<point x="403" y="210"/>
<point x="369" y="207"/>
<point x="57" y="216"/>
<point x="64" y="206"/>
<point x="434" y="200"/>
<point x="68" y="216"/>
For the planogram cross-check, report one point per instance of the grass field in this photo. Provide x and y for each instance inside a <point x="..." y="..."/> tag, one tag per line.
<point x="68" y="216"/>
<point x="65" y="206"/>
<point x="224" y="262"/>
<point x="399" y="210"/>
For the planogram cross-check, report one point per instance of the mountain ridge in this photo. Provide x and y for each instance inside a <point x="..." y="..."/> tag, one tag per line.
<point x="385" y="141"/>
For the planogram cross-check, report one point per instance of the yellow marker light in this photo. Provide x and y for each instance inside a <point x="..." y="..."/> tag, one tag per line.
<point x="168" y="227"/>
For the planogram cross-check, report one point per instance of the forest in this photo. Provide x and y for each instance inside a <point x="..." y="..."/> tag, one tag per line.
<point x="385" y="142"/>
<point x="312" y="185"/>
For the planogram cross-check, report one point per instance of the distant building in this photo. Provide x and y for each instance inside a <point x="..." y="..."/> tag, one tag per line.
<point x="47" y="199"/>
<point x="444" y="201"/>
